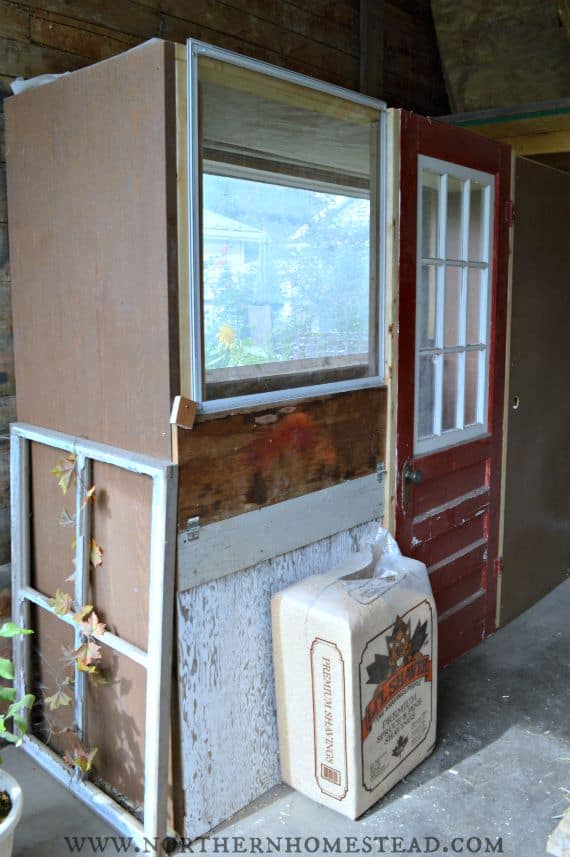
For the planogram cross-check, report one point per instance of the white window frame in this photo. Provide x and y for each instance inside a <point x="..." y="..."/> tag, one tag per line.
<point x="156" y="658"/>
<point x="196" y="391"/>
<point x="444" y="439"/>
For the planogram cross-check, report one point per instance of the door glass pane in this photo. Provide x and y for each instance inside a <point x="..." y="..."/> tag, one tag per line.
<point x="471" y="386"/>
<point x="476" y="223"/>
<point x="450" y="378"/>
<point x="451" y="306"/>
<point x="474" y="331"/>
<point x="426" y="394"/>
<point x="427" y="306"/>
<point x="453" y="223"/>
<point x="430" y="211"/>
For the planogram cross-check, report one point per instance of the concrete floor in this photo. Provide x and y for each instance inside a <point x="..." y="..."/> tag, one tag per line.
<point x="502" y="757"/>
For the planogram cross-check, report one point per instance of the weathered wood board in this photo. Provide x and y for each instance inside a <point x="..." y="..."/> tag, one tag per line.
<point x="242" y="462"/>
<point x="230" y="747"/>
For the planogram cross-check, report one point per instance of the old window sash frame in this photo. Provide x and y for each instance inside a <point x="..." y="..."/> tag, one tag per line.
<point x="196" y="375"/>
<point x="443" y="439"/>
<point x="158" y="655"/>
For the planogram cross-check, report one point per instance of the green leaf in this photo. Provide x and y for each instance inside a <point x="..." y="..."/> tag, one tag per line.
<point x="11" y="738"/>
<point x="21" y="724"/>
<point x="7" y="694"/>
<point x="6" y="668"/>
<point x="10" y="629"/>
<point x="25" y="702"/>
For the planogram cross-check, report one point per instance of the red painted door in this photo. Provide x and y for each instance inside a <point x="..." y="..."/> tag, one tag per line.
<point x="451" y="366"/>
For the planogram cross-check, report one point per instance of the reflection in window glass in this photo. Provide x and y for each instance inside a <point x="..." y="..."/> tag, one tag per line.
<point x="286" y="273"/>
<point x="451" y="305"/>
<point x="450" y="384"/>
<point x="427" y="306"/>
<point x="426" y="395"/>
<point x="475" y="334"/>
<point x="453" y="224"/>
<point x="476" y="223"/>
<point x="471" y="386"/>
<point x="430" y="214"/>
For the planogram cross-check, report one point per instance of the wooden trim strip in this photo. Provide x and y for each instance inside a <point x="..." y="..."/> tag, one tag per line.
<point x="225" y="547"/>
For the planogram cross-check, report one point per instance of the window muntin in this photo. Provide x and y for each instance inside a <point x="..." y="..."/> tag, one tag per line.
<point x="452" y="307"/>
<point x="289" y="235"/>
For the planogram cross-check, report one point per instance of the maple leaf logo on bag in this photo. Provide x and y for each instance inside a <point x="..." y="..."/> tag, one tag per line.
<point x="403" y="648"/>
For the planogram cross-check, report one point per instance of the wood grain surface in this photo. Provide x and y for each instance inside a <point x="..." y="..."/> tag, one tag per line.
<point x="243" y="462"/>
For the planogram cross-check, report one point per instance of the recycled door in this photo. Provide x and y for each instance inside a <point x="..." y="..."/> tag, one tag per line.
<point x="451" y="366"/>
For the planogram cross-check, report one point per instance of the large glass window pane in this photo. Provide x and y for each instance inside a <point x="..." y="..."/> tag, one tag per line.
<point x="288" y="200"/>
<point x="450" y="384"/>
<point x="427" y="306"/>
<point x="454" y="218"/>
<point x="430" y="214"/>
<point x="426" y="394"/>
<point x="294" y="287"/>
<point x="451" y="306"/>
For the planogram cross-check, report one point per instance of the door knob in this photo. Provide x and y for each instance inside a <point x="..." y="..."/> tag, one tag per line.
<point x="410" y="477"/>
<point x="413" y="476"/>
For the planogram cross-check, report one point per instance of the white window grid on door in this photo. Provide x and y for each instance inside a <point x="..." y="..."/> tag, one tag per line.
<point x="439" y="262"/>
<point x="156" y="659"/>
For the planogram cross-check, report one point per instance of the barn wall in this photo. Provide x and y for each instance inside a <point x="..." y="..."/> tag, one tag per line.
<point x="320" y="38"/>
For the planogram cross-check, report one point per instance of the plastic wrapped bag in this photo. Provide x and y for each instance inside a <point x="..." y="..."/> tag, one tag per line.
<point x="355" y="654"/>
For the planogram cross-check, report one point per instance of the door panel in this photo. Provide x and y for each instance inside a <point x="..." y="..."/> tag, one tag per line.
<point x="537" y="498"/>
<point x="452" y="316"/>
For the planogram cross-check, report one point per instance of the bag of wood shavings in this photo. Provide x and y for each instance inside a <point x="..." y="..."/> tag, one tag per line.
<point x="355" y="654"/>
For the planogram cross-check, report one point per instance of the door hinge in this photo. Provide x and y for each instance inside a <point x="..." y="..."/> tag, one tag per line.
<point x="499" y="567"/>
<point x="192" y="531"/>
<point x="509" y="212"/>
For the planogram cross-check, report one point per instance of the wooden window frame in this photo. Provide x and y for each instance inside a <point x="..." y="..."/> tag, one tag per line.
<point x="321" y="380"/>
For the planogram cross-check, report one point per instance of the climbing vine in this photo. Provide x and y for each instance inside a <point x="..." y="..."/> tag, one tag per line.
<point x="87" y="656"/>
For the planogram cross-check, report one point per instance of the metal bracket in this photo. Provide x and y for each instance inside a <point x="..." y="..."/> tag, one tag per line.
<point x="192" y="531"/>
<point x="381" y="471"/>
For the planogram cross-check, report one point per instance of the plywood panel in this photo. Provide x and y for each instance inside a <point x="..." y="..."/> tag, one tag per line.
<point x="243" y="462"/>
<point x="537" y="501"/>
<point x="93" y="216"/>
<point x="501" y="52"/>
<point x="91" y="263"/>
<point x="119" y="591"/>
<point x="229" y="728"/>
